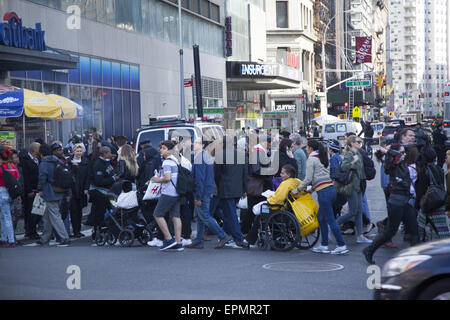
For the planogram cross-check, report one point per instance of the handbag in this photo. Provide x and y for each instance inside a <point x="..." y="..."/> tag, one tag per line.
<point x="343" y="177"/>
<point x="153" y="191"/>
<point x="255" y="186"/>
<point x="435" y="197"/>
<point x="38" y="206"/>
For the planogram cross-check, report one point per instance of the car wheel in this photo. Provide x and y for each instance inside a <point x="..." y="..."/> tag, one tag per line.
<point x="439" y="290"/>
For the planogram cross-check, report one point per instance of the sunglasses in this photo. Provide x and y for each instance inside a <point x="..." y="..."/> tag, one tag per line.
<point x="358" y="141"/>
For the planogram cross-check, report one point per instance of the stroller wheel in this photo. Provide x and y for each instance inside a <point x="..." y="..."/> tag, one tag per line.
<point x="144" y="237"/>
<point x="111" y="238"/>
<point x="126" y="238"/>
<point x="100" y="239"/>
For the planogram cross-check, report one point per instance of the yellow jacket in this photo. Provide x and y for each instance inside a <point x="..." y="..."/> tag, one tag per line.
<point x="282" y="192"/>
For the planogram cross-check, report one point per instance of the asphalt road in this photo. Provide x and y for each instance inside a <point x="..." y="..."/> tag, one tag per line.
<point x="146" y="273"/>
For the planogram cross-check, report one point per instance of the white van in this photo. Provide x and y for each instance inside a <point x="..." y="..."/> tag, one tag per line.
<point x="337" y="130"/>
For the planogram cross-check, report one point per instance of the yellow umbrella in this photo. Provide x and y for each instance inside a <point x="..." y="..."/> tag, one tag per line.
<point x="39" y="105"/>
<point x="68" y="108"/>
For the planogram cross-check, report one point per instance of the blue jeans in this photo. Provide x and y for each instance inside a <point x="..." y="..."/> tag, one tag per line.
<point x="230" y="220"/>
<point x="204" y="218"/>
<point x="326" y="216"/>
<point x="6" y="223"/>
<point x="365" y="207"/>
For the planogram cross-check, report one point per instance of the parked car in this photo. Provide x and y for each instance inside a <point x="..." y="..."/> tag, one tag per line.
<point x="377" y="129"/>
<point x="388" y="133"/>
<point x="167" y="128"/>
<point x="337" y="130"/>
<point x="420" y="272"/>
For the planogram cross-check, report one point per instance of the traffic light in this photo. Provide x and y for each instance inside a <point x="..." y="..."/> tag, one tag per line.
<point x="346" y="107"/>
<point x="384" y="80"/>
<point x="379" y="81"/>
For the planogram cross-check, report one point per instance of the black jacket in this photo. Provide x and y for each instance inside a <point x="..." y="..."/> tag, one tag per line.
<point x="148" y="160"/>
<point x="439" y="138"/>
<point x="423" y="181"/>
<point x="399" y="178"/>
<point x="231" y="179"/>
<point x="103" y="174"/>
<point x="124" y="172"/>
<point x="283" y="160"/>
<point x="30" y="174"/>
<point x="80" y="173"/>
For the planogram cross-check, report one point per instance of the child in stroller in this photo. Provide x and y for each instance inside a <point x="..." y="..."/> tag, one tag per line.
<point x="123" y="220"/>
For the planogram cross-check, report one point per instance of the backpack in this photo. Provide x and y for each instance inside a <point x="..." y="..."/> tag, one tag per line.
<point x="185" y="182"/>
<point x="369" y="167"/>
<point x="435" y="197"/>
<point x="369" y="132"/>
<point x="14" y="187"/>
<point x="62" y="178"/>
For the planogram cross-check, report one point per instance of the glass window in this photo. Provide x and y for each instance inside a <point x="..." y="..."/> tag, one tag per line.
<point x="96" y="72"/>
<point x="49" y="88"/>
<point x="282" y="14"/>
<point x="195" y="6"/>
<point x="126" y="114"/>
<point x="125" y="76"/>
<point x="185" y="4"/>
<point x="18" y="74"/>
<point x="134" y="75"/>
<point x="18" y="83"/>
<point x="106" y="12"/>
<point x="215" y="12"/>
<point x="74" y="74"/>
<point x="97" y="106"/>
<point x="205" y="8"/>
<point x="34" y="74"/>
<point x="135" y="111"/>
<point x="108" y="112"/>
<point x="34" y="85"/>
<point x="85" y="66"/>
<point x="128" y="15"/>
<point x="117" y="113"/>
<point x="61" y="76"/>
<point x="159" y="20"/>
<point x="48" y="75"/>
<point x="107" y="75"/>
<point x="86" y="102"/>
<point x="90" y="9"/>
<point x="341" y="127"/>
<point x="329" y="128"/>
<point x="116" y="74"/>
<point x="146" y="17"/>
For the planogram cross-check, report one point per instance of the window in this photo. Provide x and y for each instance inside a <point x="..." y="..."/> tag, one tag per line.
<point x="215" y="12"/>
<point x="329" y="128"/>
<point x="341" y="127"/>
<point x="282" y="14"/>
<point x="205" y="8"/>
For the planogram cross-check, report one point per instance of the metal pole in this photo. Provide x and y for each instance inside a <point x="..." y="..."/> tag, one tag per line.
<point x="24" y="143"/>
<point x="193" y="97"/>
<point x="183" y="109"/>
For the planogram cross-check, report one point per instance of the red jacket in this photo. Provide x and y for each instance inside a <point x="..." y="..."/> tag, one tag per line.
<point x="12" y="169"/>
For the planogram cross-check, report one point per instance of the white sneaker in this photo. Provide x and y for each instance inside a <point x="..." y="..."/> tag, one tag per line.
<point x="363" y="239"/>
<point x="186" y="242"/>
<point x="231" y="243"/>
<point x="155" y="243"/>
<point x="321" y="249"/>
<point x="340" y="250"/>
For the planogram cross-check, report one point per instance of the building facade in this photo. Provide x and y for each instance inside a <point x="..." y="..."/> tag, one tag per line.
<point x="128" y="53"/>
<point x="419" y="41"/>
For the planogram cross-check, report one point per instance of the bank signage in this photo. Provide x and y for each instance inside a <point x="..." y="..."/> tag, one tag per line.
<point x="13" y="34"/>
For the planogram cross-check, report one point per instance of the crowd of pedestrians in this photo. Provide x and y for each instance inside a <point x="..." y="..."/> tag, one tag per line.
<point x="67" y="178"/>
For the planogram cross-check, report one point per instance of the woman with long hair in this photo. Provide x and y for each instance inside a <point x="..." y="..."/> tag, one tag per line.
<point x="128" y="166"/>
<point x="318" y="175"/>
<point x="353" y="161"/>
<point x="398" y="205"/>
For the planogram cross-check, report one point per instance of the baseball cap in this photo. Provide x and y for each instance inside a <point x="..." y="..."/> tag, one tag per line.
<point x="334" y="145"/>
<point x="55" y="146"/>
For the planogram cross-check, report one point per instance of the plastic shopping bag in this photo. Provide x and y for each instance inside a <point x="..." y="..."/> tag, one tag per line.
<point x="38" y="206"/>
<point x="127" y="200"/>
<point x="153" y="191"/>
<point x="242" y="204"/>
<point x="305" y="209"/>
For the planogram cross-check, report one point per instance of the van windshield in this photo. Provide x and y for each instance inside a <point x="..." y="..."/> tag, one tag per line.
<point x="341" y="127"/>
<point x="329" y="128"/>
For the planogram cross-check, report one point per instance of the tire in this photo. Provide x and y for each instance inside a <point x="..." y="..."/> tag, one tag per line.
<point x="111" y="238"/>
<point x="100" y="239"/>
<point x="283" y="231"/>
<point x="144" y="237"/>
<point x="439" y="290"/>
<point x="309" y="241"/>
<point x="126" y="238"/>
<point x="262" y="242"/>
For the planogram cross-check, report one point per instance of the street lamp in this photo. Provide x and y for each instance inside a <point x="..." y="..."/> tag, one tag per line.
<point x="324" y="80"/>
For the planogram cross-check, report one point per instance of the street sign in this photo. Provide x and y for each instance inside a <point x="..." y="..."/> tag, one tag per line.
<point x="358" y="83"/>
<point x="189" y="82"/>
<point x="356" y="113"/>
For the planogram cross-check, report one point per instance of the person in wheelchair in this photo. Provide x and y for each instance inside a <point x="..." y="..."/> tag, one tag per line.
<point x="289" y="182"/>
<point x="318" y="174"/>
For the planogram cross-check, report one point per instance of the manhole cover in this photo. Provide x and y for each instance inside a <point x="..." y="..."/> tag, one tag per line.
<point x="303" y="266"/>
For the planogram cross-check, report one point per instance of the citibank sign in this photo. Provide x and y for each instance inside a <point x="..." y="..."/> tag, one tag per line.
<point x="13" y="34"/>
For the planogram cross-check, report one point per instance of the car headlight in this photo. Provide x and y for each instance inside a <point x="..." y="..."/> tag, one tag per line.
<point x="399" y="265"/>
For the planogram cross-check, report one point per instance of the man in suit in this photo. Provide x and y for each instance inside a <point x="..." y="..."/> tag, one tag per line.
<point x="30" y="167"/>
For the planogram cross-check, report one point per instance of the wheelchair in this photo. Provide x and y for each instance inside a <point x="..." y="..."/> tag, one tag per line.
<point x="279" y="229"/>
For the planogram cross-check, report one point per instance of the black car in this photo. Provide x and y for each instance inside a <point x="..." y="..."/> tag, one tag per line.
<point x="421" y="272"/>
<point x="388" y="133"/>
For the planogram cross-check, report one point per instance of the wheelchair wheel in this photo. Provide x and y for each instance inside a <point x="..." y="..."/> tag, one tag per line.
<point x="144" y="237"/>
<point x="126" y="238"/>
<point x="100" y="239"/>
<point x="283" y="231"/>
<point x="111" y="238"/>
<point x="309" y="241"/>
<point x="262" y="242"/>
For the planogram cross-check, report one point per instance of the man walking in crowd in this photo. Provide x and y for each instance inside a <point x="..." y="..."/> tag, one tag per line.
<point x="439" y="139"/>
<point x="52" y="216"/>
<point x="169" y="202"/>
<point x="30" y="167"/>
<point x="203" y="171"/>
<point x="231" y="175"/>
<point x="121" y="141"/>
<point x="299" y="155"/>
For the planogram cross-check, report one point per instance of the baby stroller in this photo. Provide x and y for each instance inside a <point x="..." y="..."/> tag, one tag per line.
<point x="122" y="221"/>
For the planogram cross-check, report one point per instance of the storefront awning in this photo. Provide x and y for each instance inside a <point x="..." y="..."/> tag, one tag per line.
<point x="260" y="84"/>
<point x="15" y="59"/>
